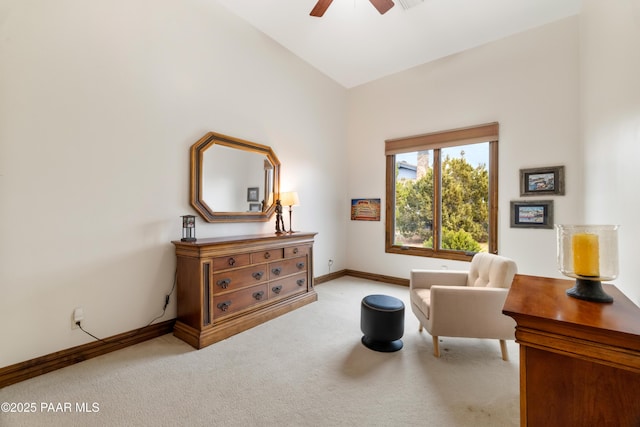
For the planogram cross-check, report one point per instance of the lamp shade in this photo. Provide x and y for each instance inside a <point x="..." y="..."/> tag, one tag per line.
<point x="289" y="199"/>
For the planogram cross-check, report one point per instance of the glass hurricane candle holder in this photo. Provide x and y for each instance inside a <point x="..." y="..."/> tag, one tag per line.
<point x="589" y="254"/>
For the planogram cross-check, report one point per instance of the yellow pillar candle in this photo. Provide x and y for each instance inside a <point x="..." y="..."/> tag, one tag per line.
<point x="586" y="255"/>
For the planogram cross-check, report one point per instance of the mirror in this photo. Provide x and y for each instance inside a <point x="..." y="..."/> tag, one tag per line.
<point x="233" y="180"/>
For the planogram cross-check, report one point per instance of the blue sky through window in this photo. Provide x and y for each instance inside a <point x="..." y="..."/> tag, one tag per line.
<point x="474" y="153"/>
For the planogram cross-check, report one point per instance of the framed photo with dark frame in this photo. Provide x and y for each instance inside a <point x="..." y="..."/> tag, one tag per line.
<point x="538" y="214"/>
<point x="255" y="207"/>
<point x="541" y="181"/>
<point x="253" y="194"/>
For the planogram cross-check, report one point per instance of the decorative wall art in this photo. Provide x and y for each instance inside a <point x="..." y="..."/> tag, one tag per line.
<point x="541" y="181"/>
<point x="253" y="194"/>
<point x="538" y="214"/>
<point x="365" y="209"/>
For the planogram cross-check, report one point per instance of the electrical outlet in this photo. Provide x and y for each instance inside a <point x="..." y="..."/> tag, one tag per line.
<point x="78" y="316"/>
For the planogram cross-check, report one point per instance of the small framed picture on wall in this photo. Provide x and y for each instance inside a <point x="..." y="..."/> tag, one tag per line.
<point x="541" y="181"/>
<point x="538" y="214"/>
<point x="365" y="209"/>
<point x="253" y="194"/>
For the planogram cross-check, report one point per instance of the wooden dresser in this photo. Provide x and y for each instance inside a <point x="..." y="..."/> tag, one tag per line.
<point x="228" y="285"/>
<point x="579" y="360"/>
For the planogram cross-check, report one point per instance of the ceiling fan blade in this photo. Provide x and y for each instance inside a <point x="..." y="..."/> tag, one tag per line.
<point x="382" y="5"/>
<point x="320" y="8"/>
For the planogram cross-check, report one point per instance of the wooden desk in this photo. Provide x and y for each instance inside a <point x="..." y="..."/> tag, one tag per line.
<point x="579" y="360"/>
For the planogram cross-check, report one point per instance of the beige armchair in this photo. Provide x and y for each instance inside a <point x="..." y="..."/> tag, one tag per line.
<point x="465" y="303"/>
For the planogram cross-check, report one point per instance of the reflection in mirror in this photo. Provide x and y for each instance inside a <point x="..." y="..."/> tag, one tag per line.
<point x="233" y="180"/>
<point x="227" y="176"/>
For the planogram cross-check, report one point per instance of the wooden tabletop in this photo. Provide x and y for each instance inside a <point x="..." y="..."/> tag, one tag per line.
<point x="542" y="303"/>
<point x="247" y="238"/>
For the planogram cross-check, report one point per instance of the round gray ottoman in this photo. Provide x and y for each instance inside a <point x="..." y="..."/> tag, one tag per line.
<point x="382" y="322"/>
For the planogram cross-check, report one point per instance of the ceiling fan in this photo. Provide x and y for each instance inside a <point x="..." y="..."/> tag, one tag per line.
<point x="321" y="7"/>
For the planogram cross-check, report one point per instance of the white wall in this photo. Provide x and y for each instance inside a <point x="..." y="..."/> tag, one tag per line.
<point x="528" y="83"/>
<point x="100" y="102"/>
<point x="610" y="65"/>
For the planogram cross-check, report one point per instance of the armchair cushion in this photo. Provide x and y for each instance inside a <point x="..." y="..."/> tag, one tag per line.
<point x="421" y="298"/>
<point x="492" y="271"/>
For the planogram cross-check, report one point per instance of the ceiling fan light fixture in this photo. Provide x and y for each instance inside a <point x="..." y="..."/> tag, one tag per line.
<point x="407" y="4"/>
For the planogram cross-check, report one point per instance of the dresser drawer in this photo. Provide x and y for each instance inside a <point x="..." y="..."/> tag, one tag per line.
<point x="226" y="281"/>
<point x="295" y="251"/>
<point x="287" y="267"/>
<point x="288" y="286"/>
<point x="233" y="302"/>
<point x="232" y="261"/>
<point x="267" y="255"/>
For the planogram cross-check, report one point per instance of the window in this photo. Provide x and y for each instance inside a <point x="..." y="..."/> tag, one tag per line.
<point x="442" y="193"/>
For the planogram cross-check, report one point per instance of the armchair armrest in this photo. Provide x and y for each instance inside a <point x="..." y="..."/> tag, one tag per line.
<point x="470" y="311"/>
<point x="424" y="279"/>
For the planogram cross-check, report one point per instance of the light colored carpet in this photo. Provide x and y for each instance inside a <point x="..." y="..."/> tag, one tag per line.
<point x="306" y="368"/>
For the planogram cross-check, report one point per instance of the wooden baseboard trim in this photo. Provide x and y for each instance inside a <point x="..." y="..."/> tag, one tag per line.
<point x="362" y="275"/>
<point x="327" y="277"/>
<point x="377" y="277"/>
<point x="41" y="365"/>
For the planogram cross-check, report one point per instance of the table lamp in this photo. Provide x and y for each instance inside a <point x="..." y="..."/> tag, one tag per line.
<point x="289" y="199"/>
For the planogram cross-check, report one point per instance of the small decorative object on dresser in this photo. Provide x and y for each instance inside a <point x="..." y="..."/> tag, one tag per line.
<point x="188" y="228"/>
<point x="280" y="228"/>
<point x="230" y="284"/>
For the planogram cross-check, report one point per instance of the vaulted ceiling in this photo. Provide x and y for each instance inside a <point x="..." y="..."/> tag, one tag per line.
<point x="353" y="44"/>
